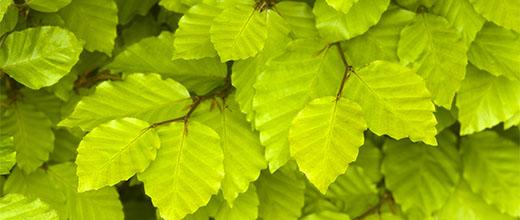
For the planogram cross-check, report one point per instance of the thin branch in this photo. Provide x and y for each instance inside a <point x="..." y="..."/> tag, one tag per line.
<point x="88" y="79"/>
<point x="346" y="74"/>
<point x="385" y="197"/>
<point x="221" y="92"/>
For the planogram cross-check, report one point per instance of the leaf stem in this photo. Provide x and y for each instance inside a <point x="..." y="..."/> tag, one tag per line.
<point x="346" y="74"/>
<point x="387" y="196"/>
<point x="222" y="92"/>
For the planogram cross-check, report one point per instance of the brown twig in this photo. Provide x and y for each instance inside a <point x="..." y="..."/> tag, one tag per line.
<point x="221" y="92"/>
<point x="386" y="196"/>
<point x="346" y="74"/>
<point x="90" y="78"/>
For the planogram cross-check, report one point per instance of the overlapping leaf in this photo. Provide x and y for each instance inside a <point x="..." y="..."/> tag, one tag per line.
<point x="188" y="169"/>
<point x="485" y="100"/>
<point x="342" y="5"/>
<point x="369" y="159"/>
<point x="127" y="9"/>
<point x="338" y="26"/>
<point x="501" y="12"/>
<point x="4" y="5"/>
<point x="491" y="169"/>
<point x="380" y="41"/>
<point x="245" y="207"/>
<point x="281" y="195"/>
<point x="239" y="32"/>
<point x="16" y="206"/>
<point x="47" y="5"/>
<point x="421" y="177"/>
<point x="31" y="130"/>
<point x="308" y="69"/>
<point x="462" y="16"/>
<point x="38" y="57"/>
<point x="57" y="186"/>
<point x="299" y="17"/>
<point x="464" y="204"/>
<point x="327" y="215"/>
<point x="10" y="18"/>
<point x="192" y="39"/>
<point x="325" y="137"/>
<point x="437" y="53"/>
<point x="245" y="72"/>
<point x="243" y="153"/>
<point x="353" y="191"/>
<point x="115" y="151"/>
<point x="143" y="96"/>
<point x="179" y="6"/>
<point x="394" y="100"/>
<point x="7" y="154"/>
<point x="65" y="145"/>
<point x="496" y="50"/>
<point x="154" y="54"/>
<point x="93" y="21"/>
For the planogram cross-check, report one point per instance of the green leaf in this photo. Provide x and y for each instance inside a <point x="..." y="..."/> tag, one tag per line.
<point x="308" y="69"/>
<point x="281" y="195"/>
<point x="64" y="89"/>
<point x="513" y="121"/>
<point x="243" y="153"/>
<point x="153" y="55"/>
<point x="141" y="27"/>
<point x="143" y="96"/>
<point x="445" y="118"/>
<point x="327" y="215"/>
<point x="96" y="25"/>
<point x="380" y="41"/>
<point x="16" y="206"/>
<point x="394" y="100"/>
<point x="37" y="184"/>
<point x="245" y="72"/>
<point x="128" y="9"/>
<point x="115" y="151"/>
<point x="299" y="17"/>
<point x="338" y="26"/>
<point x="501" y="12"/>
<point x="65" y="145"/>
<point x="369" y="159"/>
<point x="497" y="51"/>
<point x="7" y="154"/>
<point x="57" y="186"/>
<point x="38" y="57"/>
<point x="47" y="5"/>
<point x="353" y="191"/>
<point x="464" y="204"/>
<point x="491" y="169"/>
<point x="316" y="202"/>
<point x="31" y="130"/>
<point x="239" y="32"/>
<point x="179" y="6"/>
<point x="431" y="47"/>
<point x="342" y="5"/>
<point x="4" y="5"/>
<point x="187" y="171"/>
<point x="325" y="137"/>
<point x="45" y="102"/>
<point x="485" y="100"/>
<point x="10" y="19"/>
<point x="461" y="16"/>
<point x="422" y="177"/>
<point x="192" y="38"/>
<point x="245" y="207"/>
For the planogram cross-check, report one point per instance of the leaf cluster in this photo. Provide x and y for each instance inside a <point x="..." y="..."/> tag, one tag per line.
<point x="259" y="109"/>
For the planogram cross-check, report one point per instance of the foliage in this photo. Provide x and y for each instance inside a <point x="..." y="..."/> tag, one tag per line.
<point x="260" y="109"/>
